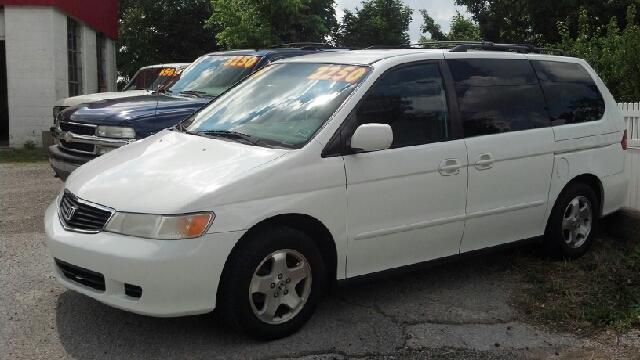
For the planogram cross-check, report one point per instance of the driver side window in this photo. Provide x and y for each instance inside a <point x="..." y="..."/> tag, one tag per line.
<point x="411" y="99"/>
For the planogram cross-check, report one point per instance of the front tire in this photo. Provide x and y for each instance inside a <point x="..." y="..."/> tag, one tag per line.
<point x="573" y="222"/>
<point x="272" y="283"/>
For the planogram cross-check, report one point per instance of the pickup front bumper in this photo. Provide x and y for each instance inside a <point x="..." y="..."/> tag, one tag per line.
<point x="63" y="162"/>
<point x="71" y="150"/>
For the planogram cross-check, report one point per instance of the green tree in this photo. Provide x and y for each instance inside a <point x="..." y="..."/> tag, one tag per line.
<point x="612" y="51"/>
<point x="378" y="22"/>
<point x="162" y="31"/>
<point x="462" y="29"/>
<point x="251" y="23"/>
<point x="534" y="21"/>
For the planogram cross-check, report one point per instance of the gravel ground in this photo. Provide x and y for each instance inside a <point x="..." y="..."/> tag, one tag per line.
<point x="455" y="311"/>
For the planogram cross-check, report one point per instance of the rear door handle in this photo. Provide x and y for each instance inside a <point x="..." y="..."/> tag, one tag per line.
<point x="484" y="161"/>
<point x="450" y="167"/>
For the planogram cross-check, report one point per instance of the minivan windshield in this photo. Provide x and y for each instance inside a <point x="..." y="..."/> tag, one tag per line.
<point x="280" y="105"/>
<point x="210" y="75"/>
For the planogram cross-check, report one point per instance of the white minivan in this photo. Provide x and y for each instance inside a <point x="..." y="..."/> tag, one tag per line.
<point x="334" y="166"/>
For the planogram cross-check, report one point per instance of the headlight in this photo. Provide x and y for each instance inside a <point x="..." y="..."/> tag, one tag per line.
<point x="56" y="111"/>
<point x="118" y="132"/>
<point x="162" y="227"/>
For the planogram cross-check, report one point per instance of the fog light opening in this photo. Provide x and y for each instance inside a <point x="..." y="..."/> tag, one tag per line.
<point x="133" y="291"/>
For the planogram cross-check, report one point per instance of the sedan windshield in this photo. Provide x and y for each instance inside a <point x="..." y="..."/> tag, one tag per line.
<point x="152" y="78"/>
<point x="282" y="104"/>
<point x="211" y="75"/>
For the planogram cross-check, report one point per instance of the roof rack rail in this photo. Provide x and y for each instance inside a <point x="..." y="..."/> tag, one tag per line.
<point x="308" y="45"/>
<point x="463" y="46"/>
<point x="402" y="46"/>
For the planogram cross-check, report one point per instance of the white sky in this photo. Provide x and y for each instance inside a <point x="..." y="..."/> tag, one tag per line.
<point x="441" y="11"/>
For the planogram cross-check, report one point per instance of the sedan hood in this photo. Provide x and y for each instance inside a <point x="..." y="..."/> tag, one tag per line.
<point x="165" y="173"/>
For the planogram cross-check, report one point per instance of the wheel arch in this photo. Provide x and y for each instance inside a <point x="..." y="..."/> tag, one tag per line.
<point x="306" y="224"/>
<point x="594" y="183"/>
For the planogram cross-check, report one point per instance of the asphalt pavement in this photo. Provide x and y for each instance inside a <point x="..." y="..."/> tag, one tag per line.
<point x="455" y="311"/>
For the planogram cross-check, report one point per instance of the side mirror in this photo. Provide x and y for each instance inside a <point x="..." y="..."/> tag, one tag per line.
<point x="372" y="137"/>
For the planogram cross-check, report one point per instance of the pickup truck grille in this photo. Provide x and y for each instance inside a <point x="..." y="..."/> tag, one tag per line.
<point x="79" y="129"/>
<point x="78" y="147"/>
<point x="81" y="215"/>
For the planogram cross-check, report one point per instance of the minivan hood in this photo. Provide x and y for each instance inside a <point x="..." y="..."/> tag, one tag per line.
<point x="165" y="172"/>
<point x="88" y="98"/>
<point x="127" y="110"/>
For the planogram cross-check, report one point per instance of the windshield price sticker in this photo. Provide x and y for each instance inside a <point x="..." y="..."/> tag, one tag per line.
<point x="349" y="74"/>
<point x="242" y="61"/>
<point x="167" y="72"/>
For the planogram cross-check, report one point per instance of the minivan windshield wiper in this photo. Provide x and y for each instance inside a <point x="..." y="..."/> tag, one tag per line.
<point x="233" y="135"/>
<point x="179" y="127"/>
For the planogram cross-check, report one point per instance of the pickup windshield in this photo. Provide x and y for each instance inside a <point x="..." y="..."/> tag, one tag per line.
<point x="209" y="76"/>
<point x="281" y="105"/>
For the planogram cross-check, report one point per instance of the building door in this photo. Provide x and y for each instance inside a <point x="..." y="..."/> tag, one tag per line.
<point x="4" y="98"/>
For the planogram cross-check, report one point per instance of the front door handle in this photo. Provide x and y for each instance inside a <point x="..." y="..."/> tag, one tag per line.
<point x="484" y="161"/>
<point x="450" y="167"/>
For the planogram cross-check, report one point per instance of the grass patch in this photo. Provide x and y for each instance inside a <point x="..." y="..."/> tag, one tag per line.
<point x="9" y="156"/>
<point x="600" y="291"/>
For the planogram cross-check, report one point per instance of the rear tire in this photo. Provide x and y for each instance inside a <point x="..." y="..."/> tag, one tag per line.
<point x="272" y="283"/>
<point x="573" y="222"/>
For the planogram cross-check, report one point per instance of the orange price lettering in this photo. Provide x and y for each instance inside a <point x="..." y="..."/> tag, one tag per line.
<point x="332" y="70"/>
<point x="343" y="73"/>
<point x="242" y="61"/>
<point x="321" y="70"/>
<point x="356" y="75"/>
<point x="349" y="74"/>
<point x="252" y="60"/>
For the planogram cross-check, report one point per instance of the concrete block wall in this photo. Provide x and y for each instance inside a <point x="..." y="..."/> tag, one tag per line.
<point x="37" y="72"/>
<point x="29" y="44"/>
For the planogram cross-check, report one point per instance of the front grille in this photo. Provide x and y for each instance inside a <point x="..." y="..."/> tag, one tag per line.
<point x="81" y="215"/>
<point x="79" y="129"/>
<point x="76" y="146"/>
<point x="81" y="276"/>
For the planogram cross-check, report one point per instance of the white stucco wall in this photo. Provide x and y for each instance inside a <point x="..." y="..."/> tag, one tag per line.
<point x="37" y="73"/>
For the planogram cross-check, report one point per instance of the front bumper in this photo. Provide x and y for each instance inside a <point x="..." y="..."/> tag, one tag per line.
<point x="64" y="163"/>
<point x="177" y="277"/>
<point x="90" y="139"/>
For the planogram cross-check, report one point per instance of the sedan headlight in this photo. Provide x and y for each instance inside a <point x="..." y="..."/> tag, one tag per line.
<point x="118" y="132"/>
<point x="162" y="227"/>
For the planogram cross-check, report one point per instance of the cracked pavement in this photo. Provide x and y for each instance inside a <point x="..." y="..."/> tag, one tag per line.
<point x="454" y="311"/>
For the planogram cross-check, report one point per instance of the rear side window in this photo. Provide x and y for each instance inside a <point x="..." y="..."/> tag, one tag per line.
<point x="411" y="99"/>
<point x="498" y="95"/>
<point x="571" y="93"/>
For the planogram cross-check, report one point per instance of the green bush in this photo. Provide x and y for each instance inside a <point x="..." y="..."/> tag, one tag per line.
<point x="29" y="144"/>
<point x="613" y="53"/>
